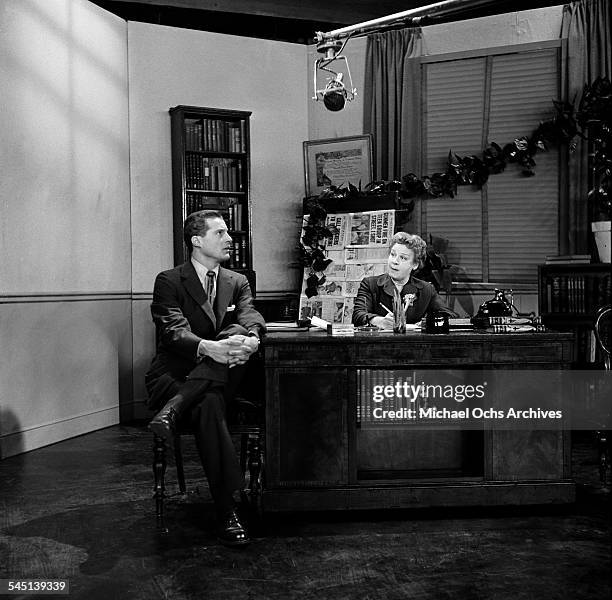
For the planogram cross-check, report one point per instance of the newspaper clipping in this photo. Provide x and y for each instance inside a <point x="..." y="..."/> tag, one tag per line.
<point x="358" y="248"/>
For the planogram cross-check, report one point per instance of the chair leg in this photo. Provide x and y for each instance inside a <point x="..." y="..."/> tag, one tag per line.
<point x="159" y="471"/>
<point x="178" y="459"/>
<point x="604" y="456"/>
<point x="256" y="472"/>
<point x="244" y="451"/>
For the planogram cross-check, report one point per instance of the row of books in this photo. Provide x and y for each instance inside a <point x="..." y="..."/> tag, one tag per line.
<point x="213" y="135"/>
<point x="238" y="257"/>
<point x="231" y="209"/>
<point x="577" y="293"/>
<point x="371" y="380"/>
<point x="216" y="174"/>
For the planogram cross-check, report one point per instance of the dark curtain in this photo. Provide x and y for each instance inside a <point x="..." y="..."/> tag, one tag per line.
<point x="588" y="29"/>
<point x="392" y="101"/>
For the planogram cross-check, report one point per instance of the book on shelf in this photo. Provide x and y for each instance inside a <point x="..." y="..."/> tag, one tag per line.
<point x="193" y="135"/>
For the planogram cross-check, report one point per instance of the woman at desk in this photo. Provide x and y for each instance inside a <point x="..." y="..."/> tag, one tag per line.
<point x="374" y="301"/>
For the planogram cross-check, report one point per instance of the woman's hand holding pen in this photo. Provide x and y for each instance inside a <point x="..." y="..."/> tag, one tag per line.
<point x="385" y="322"/>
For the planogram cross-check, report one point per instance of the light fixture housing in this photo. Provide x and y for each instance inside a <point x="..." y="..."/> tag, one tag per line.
<point x="335" y="93"/>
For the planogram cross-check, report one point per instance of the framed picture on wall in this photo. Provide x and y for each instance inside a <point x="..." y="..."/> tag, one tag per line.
<point x="338" y="162"/>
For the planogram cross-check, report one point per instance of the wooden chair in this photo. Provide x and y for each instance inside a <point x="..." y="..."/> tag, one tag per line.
<point x="603" y="335"/>
<point x="246" y="423"/>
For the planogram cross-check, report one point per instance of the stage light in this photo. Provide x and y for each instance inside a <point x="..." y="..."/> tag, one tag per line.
<point x="335" y="94"/>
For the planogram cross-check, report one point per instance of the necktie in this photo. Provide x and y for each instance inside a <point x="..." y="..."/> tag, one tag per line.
<point x="210" y="286"/>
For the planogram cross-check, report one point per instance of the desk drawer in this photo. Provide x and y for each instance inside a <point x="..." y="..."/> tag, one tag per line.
<point x="420" y="352"/>
<point x="527" y="354"/>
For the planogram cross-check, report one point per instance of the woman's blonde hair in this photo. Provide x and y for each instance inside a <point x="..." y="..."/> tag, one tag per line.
<point x="412" y="242"/>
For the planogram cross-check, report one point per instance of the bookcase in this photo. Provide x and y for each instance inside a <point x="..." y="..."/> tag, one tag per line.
<point x="568" y="298"/>
<point x="211" y="170"/>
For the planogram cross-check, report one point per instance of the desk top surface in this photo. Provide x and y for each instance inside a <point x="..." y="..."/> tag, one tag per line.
<point x="459" y="336"/>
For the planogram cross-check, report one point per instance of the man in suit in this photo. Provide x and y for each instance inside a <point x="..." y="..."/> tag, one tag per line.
<point x="375" y="297"/>
<point x="207" y="328"/>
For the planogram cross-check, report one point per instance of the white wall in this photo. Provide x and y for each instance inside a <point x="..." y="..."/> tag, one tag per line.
<point x="64" y="227"/>
<point x="324" y="124"/>
<point x="168" y="67"/>
<point x="508" y="29"/>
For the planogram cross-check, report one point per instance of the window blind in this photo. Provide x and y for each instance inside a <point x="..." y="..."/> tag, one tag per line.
<point x="454" y="121"/>
<point x="523" y="211"/>
<point x="499" y="233"/>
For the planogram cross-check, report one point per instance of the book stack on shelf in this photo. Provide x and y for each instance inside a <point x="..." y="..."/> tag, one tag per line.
<point x="210" y="167"/>
<point x="568" y="259"/>
<point x="570" y="293"/>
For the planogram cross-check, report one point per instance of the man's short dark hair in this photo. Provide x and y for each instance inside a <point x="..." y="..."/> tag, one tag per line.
<point x="197" y="224"/>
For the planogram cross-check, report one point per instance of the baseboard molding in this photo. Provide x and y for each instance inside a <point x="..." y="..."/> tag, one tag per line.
<point x="38" y="436"/>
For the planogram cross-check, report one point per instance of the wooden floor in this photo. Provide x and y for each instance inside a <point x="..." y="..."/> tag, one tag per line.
<point x="82" y="510"/>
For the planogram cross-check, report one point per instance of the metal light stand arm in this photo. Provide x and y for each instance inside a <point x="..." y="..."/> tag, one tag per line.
<point x="431" y="10"/>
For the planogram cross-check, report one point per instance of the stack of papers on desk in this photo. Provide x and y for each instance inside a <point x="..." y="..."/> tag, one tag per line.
<point x="284" y="326"/>
<point x="341" y="329"/>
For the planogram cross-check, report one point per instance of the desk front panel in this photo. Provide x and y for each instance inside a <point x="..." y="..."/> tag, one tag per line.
<point x="317" y="456"/>
<point x="306" y="425"/>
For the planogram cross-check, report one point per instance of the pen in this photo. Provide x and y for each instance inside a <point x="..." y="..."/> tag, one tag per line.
<point x="389" y="312"/>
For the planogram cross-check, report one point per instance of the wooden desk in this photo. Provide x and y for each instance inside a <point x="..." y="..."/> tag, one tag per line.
<point x="317" y="458"/>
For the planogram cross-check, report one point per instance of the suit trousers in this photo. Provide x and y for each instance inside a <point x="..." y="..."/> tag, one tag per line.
<point x="203" y="397"/>
<point x="207" y="419"/>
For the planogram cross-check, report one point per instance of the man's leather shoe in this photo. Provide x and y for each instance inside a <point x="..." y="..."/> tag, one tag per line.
<point x="164" y="422"/>
<point x="231" y="532"/>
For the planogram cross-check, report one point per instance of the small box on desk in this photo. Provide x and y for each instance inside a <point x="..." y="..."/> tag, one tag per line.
<point x="346" y="329"/>
<point x="333" y="328"/>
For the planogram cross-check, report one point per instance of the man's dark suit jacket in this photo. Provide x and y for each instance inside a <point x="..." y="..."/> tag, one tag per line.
<point x="183" y="316"/>
<point x="379" y="289"/>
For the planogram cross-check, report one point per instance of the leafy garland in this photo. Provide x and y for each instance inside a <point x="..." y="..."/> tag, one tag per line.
<point x="593" y="117"/>
<point x="475" y="170"/>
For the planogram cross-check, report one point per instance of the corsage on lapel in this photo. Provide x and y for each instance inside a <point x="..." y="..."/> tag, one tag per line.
<point x="409" y="301"/>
